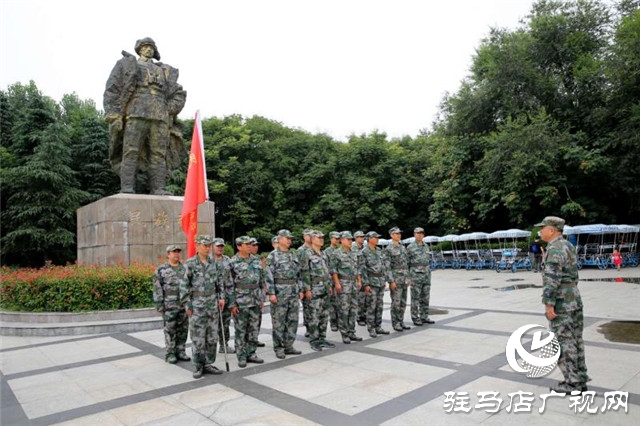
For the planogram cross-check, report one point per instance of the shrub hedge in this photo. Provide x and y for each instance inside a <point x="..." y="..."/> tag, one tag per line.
<point x="76" y="288"/>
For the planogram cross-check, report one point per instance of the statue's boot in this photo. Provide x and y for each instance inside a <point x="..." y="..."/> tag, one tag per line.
<point x="158" y="180"/>
<point x="127" y="178"/>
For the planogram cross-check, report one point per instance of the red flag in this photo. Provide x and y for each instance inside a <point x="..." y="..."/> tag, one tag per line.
<point x="196" y="191"/>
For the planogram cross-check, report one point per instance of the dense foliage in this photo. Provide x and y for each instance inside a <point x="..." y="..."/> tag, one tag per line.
<point x="547" y="122"/>
<point x="76" y="288"/>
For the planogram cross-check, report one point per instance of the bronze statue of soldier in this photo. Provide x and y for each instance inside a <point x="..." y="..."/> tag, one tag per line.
<point x="141" y="101"/>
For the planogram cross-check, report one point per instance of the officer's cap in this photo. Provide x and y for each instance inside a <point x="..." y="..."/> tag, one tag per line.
<point x="358" y="234"/>
<point x="253" y="241"/>
<point x="395" y="230"/>
<point x="173" y="247"/>
<point x="555" y="221"/>
<point x="418" y="230"/>
<point x="148" y="41"/>
<point x="203" y="239"/>
<point x="243" y="240"/>
<point x="334" y="234"/>
<point x="372" y="234"/>
<point x="285" y="233"/>
<point x="274" y="239"/>
<point x="307" y="231"/>
<point x="317" y="233"/>
<point x="218" y="242"/>
<point x="346" y="234"/>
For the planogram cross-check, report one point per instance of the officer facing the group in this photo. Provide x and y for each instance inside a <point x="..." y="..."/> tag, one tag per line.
<point x="166" y="299"/>
<point x="420" y="275"/>
<point x="203" y="295"/>
<point x="563" y="304"/>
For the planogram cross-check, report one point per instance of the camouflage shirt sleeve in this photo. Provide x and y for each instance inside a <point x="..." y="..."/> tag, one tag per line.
<point x="559" y="268"/>
<point x="158" y="293"/>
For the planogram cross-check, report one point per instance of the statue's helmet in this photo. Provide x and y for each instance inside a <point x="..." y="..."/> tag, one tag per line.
<point x="148" y="41"/>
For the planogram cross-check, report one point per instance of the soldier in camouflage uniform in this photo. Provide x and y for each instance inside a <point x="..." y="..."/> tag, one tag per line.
<point x="284" y="288"/>
<point x="203" y="296"/>
<point x="166" y="298"/>
<point x="563" y="304"/>
<point x="420" y="274"/>
<point x="345" y="272"/>
<point x="358" y="245"/>
<point x="397" y="260"/>
<point x="334" y="238"/>
<point x="303" y="252"/>
<point x="374" y="275"/>
<point x="255" y="246"/>
<point x="317" y="287"/>
<point x="222" y="264"/>
<point x="248" y="277"/>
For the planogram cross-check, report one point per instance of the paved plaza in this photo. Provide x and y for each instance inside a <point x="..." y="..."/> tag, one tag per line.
<point x="400" y="379"/>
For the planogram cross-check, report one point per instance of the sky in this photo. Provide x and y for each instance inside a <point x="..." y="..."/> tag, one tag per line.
<point x="336" y="67"/>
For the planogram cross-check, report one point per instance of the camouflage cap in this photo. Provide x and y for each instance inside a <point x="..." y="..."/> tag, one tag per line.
<point x="358" y="234"/>
<point x="334" y="234"/>
<point x="307" y="231"/>
<point x="372" y="234"/>
<point x="243" y="240"/>
<point x="555" y="221"/>
<point x="253" y="241"/>
<point x="203" y="239"/>
<point x="317" y="233"/>
<point x="395" y="230"/>
<point x="173" y="247"/>
<point x="274" y="239"/>
<point x="218" y="242"/>
<point x="346" y="234"/>
<point x="147" y="41"/>
<point x="418" y="230"/>
<point x="285" y="233"/>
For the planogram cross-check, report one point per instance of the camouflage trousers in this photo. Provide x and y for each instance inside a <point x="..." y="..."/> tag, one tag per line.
<point x="398" y="303"/>
<point x="247" y="325"/>
<point x="568" y="329"/>
<point x="362" y="304"/>
<point x="318" y="318"/>
<point x="176" y="329"/>
<point x="223" y="330"/>
<point x="333" y="309"/>
<point x="204" y="335"/>
<point x="420" y="291"/>
<point x="306" y="312"/>
<point x="284" y="320"/>
<point x="374" y="306"/>
<point x="347" y="309"/>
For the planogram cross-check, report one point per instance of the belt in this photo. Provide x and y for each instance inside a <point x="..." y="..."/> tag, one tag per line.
<point x="198" y="293"/>
<point x="284" y="281"/>
<point x="242" y="286"/>
<point x="568" y="285"/>
<point x="376" y="274"/>
<point x="171" y="292"/>
<point x="347" y="277"/>
<point x="318" y="279"/>
<point x="419" y="264"/>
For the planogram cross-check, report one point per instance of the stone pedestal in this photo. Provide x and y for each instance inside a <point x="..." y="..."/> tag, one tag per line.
<point x="127" y="228"/>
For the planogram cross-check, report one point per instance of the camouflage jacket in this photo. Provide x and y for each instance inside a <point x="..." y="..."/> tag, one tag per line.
<point x="397" y="260"/>
<point x="345" y="265"/>
<point x="560" y="276"/>
<point x="248" y="281"/>
<point x="166" y="286"/>
<point x="223" y="265"/>
<point x="419" y="258"/>
<point x="315" y="273"/>
<point x="374" y="268"/>
<point x="201" y="290"/>
<point x="283" y="273"/>
<point x="329" y="251"/>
